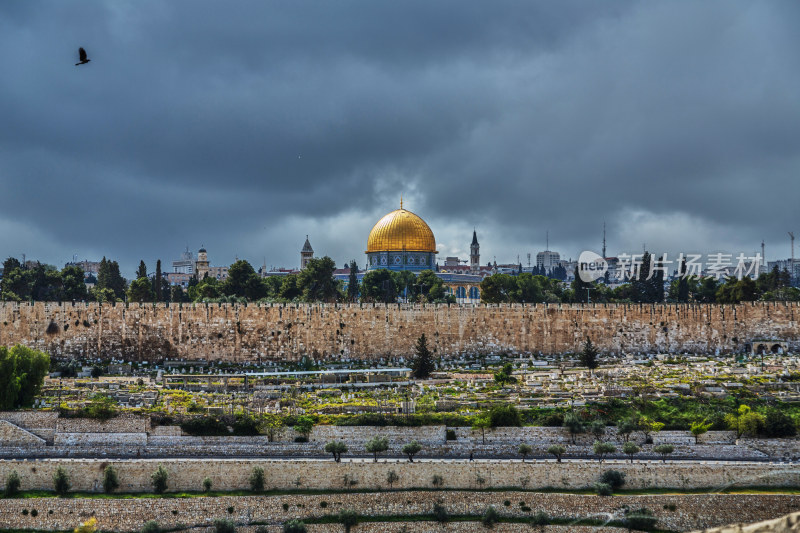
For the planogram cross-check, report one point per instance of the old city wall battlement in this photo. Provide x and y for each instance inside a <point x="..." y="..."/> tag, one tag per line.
<point x="233" y="332"/>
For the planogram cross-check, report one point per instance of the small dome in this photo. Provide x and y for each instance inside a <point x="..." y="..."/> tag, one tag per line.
<point x="401" y="230"/>
<point x="201" y="251"/>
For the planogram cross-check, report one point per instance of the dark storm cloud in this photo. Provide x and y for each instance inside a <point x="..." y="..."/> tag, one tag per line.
<point x="245" y="126"/>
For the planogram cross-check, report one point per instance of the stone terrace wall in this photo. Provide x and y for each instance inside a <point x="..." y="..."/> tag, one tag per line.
<point x="785" y="524"/>
<point x="691" y="511"/>
<point x="233" y="474"/>
<point x="119" y="424"/>
<point x="235" y="332"/>
<point x="11" y="435"/>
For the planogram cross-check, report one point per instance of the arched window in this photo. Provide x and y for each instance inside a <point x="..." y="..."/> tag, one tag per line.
<point x="461" y="292"/>
<point x="474" y="293"/>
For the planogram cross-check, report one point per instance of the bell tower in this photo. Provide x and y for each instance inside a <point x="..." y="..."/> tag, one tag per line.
<point x="474" y="254"/>
<point x="306" y="254"/>
<point x="201" y="265"/>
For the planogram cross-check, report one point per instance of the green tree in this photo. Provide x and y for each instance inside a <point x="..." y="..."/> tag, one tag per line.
<point x="22" y="372"/>
<point x="270" y="425"/>
<point x="613" y="478"/>
<point x="498" y="288"/>
<point x="207" y="484"/>
<point x="257" y="479"/>
<point x="141" y="272"/>
<point x="630" y="449"/>
<point x="664" y="450"/>
<point x="376" y="445"/>
<point x="483" y="423"/>
<point x="378" y="286"/>
<point x="625" y="427"/>
<point x="698" y="428"/>
<point x="303" y="425"/>
<point x="431" y="287"/>
<point x="505" y="415"/>
<point x="61" y="482"/>
<point x="504" y="375"/>
<point x="422" y="366"/>
<point x="13" y="484"/>
<point x="588" y="357"/>
<point x="524" y="450"/>
<point x="648" y="427"/>
<point x="411" y="449"/>
<point x="243" y="282"/>
<point x="222" y="525"/>
<point x="290" y="289"/>
<point x="574" y="425"/>
<point x="601" y="449"/>
<point x="557" y="451"/>
<point x="158" y="285"/>
<point x="108" y="277"/>
<point x="73" y="286"/>
<point x="352" y="284"/>
<point x="159" y="479"/>
<point x="598" y="429"/>
<point x="141" y="290"/>
<point x="777" y="424"/>
<point x="316" y="281"/>
<point x="745" y="421"/>
<point x="337" y="448"/>
<point x="581" y="289"/>
<point x="110" y="479"/>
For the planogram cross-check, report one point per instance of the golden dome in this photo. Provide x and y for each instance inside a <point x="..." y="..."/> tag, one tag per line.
<point x="401" y="230"/>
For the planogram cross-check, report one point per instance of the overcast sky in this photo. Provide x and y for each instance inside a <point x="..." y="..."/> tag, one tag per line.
<point x="244" y="126"/>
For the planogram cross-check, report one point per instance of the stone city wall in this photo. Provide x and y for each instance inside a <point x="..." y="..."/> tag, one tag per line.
<point x="317" y="474"/>
<point x="253" y="332"/>
<point x="785" y="524"/>
<point x="674" y="512"/>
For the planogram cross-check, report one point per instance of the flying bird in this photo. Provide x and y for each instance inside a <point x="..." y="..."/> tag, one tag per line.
<point x="82" y="57"/>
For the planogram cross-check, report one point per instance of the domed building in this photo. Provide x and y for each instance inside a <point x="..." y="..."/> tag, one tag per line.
<point x="401" y="240"/>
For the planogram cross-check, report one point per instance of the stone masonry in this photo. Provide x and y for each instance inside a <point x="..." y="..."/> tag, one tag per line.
<point x="255" y="332"/>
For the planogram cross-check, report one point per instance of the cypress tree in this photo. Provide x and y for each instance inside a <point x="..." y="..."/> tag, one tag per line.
<point x="683" y="283"/>
<point x="423" y="362"/>
<point x="141" y="272"/>
<point x="157" y="282"/>
<point x="352" y="285"/>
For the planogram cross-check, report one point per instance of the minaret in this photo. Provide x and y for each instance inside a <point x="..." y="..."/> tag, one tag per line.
<point x="474" y="254"/>
<point x="201" y="265"/>
<point x="306" y="254"/>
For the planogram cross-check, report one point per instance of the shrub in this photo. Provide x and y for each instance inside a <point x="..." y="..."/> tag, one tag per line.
<point x="159" y="479"/>
<point x="207" y="484"/>
<point x="553" y="420"/>
<point x="301" y="438"/>
<point x="391" y="478"/>
<point x="110" y="480"/>
<point x="490" y="517"/>
<point x="205" y="426"/>
<point x="24" y="512"/>
<point x="507" y="503"/>
<point x="440" y="513"/>
<point x="348" y="518"/>
<point x="437" y="481"/>
<point x="257" y="479"/>
<point x="61" y="482"/>
<point x="285" y="506"/>
<point x="323" y="504"/>
<point x="540" y="519"/>
<point x="613" y="478"/>
<point x="12" y="485"/>
<point x="294" y="526"/>
<point x="34" y="513"/>
<point x="450" y="434"/>
<point x="603" y="489"/>
<point x="151" y="527"/>
<point x="640" y="519"/>
<point x="222" y="525"/>
<point x="262" y="529"/>
<point x="230" y="509"/>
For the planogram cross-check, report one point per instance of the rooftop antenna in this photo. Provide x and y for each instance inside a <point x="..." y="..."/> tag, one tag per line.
<point x="604" y="239"/>
<point x="401" y="201"/>
<point x="547" y="240"/>
<point x="763" y="255"/>
<point x="791" y="274"/>
<point x="529" y="259"/>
